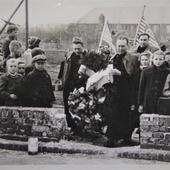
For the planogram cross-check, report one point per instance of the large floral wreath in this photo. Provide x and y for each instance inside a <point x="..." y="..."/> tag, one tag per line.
<point x="83" y="102"/>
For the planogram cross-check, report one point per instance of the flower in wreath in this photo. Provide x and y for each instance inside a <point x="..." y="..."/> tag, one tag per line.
<point x="82" y="107"/>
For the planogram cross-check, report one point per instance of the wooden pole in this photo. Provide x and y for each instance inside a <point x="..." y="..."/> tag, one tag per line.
<point x="11" y="17"/>
<point x="26" y="23"/>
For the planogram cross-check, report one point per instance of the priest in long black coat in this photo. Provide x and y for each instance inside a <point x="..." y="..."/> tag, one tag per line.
<point x="126" y="63"/>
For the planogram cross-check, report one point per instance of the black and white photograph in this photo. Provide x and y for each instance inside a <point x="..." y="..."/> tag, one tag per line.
<point x="85" y="84"/>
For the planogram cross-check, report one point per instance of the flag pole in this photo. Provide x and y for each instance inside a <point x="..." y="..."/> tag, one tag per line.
<point x="139" y="25"/>
<point x="102" y="32"/>
<point x="26" y="23"/>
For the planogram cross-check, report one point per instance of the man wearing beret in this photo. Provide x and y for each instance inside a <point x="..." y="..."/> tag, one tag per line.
<point x="38" y="85"/>
<point x="69" y="76"/>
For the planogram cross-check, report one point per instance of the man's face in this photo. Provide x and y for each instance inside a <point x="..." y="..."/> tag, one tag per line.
<point x="78" y="48"/>
<point x="14" y="34"/>
<point x="40" y="65"/>
<point x="121" y="46"/>
<point x="144" y="61"/>
<point x="144" y="41"/>
<point x="158" y="60"/>
<point x="12" y="67"/>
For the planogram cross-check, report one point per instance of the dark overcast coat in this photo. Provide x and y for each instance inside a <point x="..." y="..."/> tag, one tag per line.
<point x="151" y="85"/>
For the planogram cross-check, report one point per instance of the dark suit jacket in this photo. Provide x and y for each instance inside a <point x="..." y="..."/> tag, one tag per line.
<point x="130" y="62"/>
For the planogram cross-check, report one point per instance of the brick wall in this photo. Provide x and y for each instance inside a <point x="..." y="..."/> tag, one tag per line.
<point x="41" y="122"/>
<point x="155" y="131"/>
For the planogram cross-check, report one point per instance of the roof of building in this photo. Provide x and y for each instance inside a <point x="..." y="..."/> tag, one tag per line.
<point x="128" y="15"/>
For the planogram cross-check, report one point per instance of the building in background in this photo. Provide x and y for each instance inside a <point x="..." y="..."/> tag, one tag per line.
<point x="124" y="20"/>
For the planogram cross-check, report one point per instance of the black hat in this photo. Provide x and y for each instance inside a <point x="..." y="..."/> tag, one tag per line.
<point x="37" y="51"/>
<point x="33" y="40"/>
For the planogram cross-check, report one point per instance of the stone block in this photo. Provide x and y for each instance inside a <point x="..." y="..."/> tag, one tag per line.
<point x="159" y="135"/>
<point x="167" y="158"/>
<point x="144" y="128"/>
<point x="153" y="140"/>
<point x="146" y="135"/>
<point x="163" y="128"/>
<point x="167" y="129"/>
<point x="166" y="147"/>
<point x="144" y="140"/>
<point x="154" y="128"/>
<point x="144" y="118"/>
<point x="167" y="121"/>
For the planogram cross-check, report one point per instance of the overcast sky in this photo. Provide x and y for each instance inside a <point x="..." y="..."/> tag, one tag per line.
<point x="63" y="11"/>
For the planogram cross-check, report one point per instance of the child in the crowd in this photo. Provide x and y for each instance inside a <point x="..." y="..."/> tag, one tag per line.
<point x="38" y="84"/>
<point x="34" y="52"/>
<point x="11" y="90"/>
<point x="144" y="60"/>
<point x="15" y="50"/>
<point x="21" y="66"/>
<point x="151" y="84"/>
<point x="167" y="59"/>
<point x="33" y="43"/>
<point x="166" y="89"/>
<point x="2" y="70"/>
<point x="12" y="32"/>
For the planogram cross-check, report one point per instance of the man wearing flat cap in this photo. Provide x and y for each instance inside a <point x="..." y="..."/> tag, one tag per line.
<point x="33" y="43"/>
<point x="38" y="85"/>
<point x="69" y="76"/>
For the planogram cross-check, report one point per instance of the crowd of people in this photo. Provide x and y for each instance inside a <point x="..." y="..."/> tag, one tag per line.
<point x="123" y="85"/>
<point x="138" y="77"/>
<point x="23" y="78"/>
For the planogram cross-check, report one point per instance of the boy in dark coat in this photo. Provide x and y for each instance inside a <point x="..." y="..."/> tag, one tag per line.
<point x="38" y="84"/>
<point x="12" y="32"/>
<point x="11" y="85"/>
<point x="151" y="84"/>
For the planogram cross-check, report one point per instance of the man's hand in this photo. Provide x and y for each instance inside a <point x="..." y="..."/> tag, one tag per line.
<point x="13" y="96"/>
<point x="140" y="109"/>
<point x="115" y="72"/>
<point x="132" y="108"/>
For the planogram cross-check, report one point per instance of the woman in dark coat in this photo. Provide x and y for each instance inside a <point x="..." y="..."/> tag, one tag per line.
<point x="144" y="60"/>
